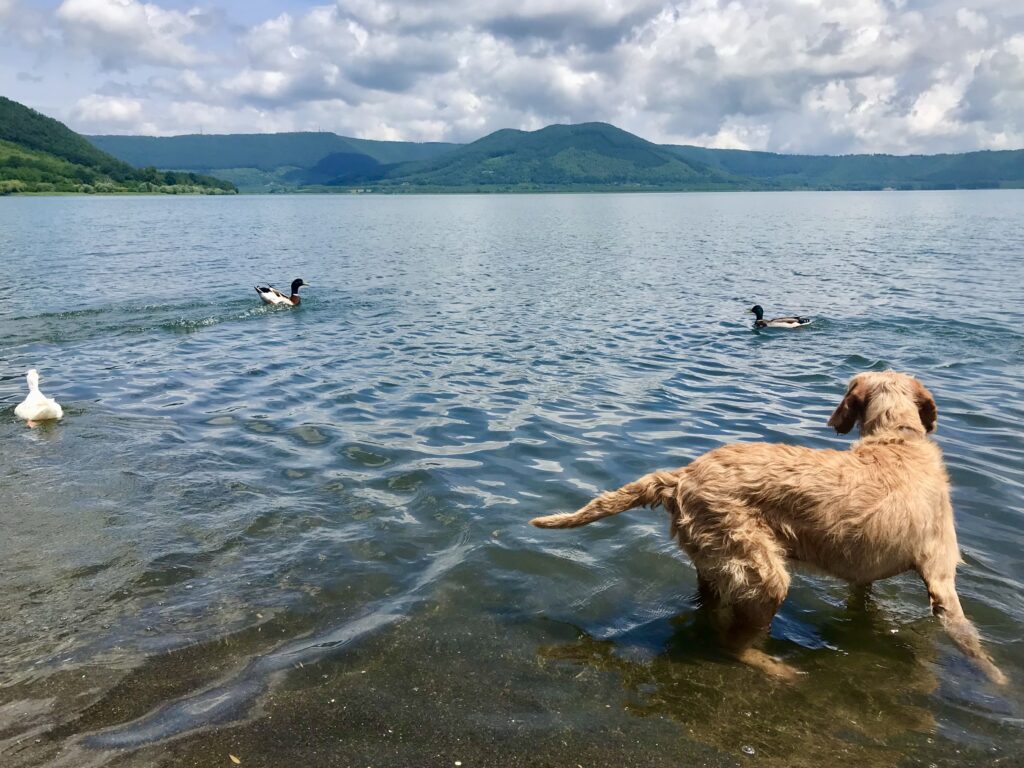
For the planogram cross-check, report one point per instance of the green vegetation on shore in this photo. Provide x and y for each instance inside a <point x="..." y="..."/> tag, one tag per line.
<point x="41" y="155"/>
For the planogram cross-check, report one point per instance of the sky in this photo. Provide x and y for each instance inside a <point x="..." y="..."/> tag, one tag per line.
<point x="809" y="76"/>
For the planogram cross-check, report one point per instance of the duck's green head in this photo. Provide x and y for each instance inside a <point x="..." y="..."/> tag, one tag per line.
<point x="296" y="284"/>
<point x="758" y="311"/>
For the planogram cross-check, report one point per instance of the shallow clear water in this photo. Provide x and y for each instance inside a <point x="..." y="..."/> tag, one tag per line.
<point x="300" y="536"/>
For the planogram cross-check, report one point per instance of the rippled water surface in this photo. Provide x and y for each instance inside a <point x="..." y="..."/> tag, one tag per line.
<point x="299" y="536"/>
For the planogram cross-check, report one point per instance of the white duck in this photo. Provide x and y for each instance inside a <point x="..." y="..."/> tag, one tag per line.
<point x="271" y="295"/>
<point x="37" y="406"/>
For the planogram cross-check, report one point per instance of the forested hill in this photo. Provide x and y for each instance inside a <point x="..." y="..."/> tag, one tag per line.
<point x="40" y="154"/>
<point x="263" y="151"/>
<point x="584" y="156"/>
<point x="969" y="170"/>
<point x="587" y="156"/>
<point x="599" y="156"/>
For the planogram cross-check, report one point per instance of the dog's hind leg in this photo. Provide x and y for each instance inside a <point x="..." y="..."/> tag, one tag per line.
<point x="746" y="623"/>
<point x="946" y="606"/>
<point x="707" y="595"/>
<point x="741" y="563"/>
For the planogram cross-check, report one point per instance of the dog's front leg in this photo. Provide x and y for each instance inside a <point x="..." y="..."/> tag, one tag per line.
<point x="946" y="606"/>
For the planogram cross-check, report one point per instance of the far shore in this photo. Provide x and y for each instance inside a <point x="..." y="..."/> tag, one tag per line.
<point x="478" y="191"/>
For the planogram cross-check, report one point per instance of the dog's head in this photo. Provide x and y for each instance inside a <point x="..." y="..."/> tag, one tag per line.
<point x="885" y="400"/>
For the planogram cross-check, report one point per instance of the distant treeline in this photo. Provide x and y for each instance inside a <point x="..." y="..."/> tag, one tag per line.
<point x="969" y="170"/>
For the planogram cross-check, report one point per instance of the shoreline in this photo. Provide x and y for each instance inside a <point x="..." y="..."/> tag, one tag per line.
<point x="489" y="192"/>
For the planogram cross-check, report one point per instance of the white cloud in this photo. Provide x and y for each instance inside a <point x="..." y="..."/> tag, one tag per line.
<point x="122" y="32"/>
<point x="108" y="112"/>
<point x="971" y="20"/>
<point x="785" y="75"/>
<point x="932" y="109"/>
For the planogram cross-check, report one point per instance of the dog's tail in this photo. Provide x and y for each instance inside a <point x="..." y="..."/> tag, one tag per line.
<point x="649" y="491"/>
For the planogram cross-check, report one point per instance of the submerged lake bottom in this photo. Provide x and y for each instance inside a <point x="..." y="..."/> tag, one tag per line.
<point x="269" y="537"/>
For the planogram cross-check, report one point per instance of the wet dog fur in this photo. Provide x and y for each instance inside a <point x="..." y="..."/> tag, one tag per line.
<point x="745" y="511"/>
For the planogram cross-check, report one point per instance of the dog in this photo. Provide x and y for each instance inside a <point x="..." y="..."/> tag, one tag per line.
<point x="743" y="512"/>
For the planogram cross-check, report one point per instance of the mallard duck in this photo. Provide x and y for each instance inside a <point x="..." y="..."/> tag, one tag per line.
<point x="271" y="295"/>
<point x="778" y="322"/>
<point x="37" y="406"/>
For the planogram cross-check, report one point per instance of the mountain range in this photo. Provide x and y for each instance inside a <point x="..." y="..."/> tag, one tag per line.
<point x="582" y="157"/>
<point x="41" y="155"/>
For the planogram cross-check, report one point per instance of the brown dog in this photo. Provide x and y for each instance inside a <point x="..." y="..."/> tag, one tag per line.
<point x="878" y="509"/>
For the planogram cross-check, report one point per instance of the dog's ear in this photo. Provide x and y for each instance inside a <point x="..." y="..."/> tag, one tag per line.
<point x="925" y="406"/>
<point x="850" y="409"/>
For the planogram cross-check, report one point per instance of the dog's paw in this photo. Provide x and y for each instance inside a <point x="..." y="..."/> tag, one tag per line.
<point x="995" y="674"/>
<point x="770" y="665"/>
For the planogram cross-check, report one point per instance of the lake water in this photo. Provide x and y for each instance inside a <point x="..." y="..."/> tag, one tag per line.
<point x="300" y="537"/>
